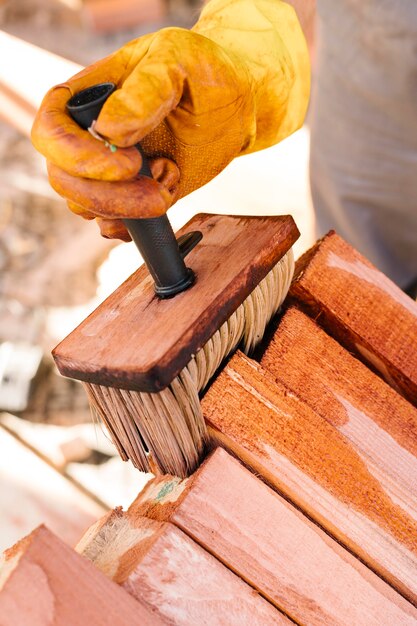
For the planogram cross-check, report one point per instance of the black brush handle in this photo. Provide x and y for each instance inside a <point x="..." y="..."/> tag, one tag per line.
<point x="153" y="236"/>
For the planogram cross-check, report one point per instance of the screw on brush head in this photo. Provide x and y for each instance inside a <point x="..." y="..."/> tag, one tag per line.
<point x="153" y="237"/>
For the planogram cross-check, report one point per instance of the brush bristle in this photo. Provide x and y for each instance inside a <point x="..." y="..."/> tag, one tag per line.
<point x="165" y="432"/>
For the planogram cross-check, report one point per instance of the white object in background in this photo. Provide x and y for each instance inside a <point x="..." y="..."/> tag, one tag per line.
<point x="19" y="363"/>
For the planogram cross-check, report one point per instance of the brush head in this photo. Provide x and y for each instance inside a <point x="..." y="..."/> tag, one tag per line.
<point x="136" y="341"/>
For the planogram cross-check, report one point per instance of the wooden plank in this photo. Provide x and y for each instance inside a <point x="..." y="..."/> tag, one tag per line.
<point x="362" y="309"/>
<point x="107" y="16"/>
<point x="21" y="92"/>
<point x="43" y="582"/>
<point x="162" y="567"/>
<point x="380" y="425"/>
<point x="121" y="344"/>
<point x="272" y="546"/>
<point x="15" y="110"/>
<point x="32" y="492"/>
<point x="314" y="464"/>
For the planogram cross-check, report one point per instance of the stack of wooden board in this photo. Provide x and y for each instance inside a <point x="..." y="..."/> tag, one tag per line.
<point x="362" y="309"/>
<point x="305" y="511"/>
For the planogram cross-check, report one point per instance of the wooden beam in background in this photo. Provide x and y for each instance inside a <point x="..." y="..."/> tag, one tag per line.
<point x="364" y="310"/>
<point x="15" y="110"/>
<point x="271" y="545"/>
<point x="26" y="74"/>
<point x="32" y="492"/>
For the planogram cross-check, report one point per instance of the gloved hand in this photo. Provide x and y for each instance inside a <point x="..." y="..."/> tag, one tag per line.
<point x="237" y="82"/>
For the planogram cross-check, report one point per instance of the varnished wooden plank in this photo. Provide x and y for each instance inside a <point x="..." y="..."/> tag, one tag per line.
<point x="314" y="464"/>
<point x="136" y="341"/>
<point x="273" y="546"/>
<point x="380" y="425"/>
<point x="43" y="582"/>
<point x="162" y="567"/>
<point x="362" y="309"/>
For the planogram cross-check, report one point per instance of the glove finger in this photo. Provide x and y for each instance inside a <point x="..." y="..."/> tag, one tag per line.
<point x="63" y="142"/>
<point x="135" y="198"/>
<point x="167" y="173"/>
<point x="113" y="229"/>
<point x="79" y="210"/>
<point x="164" y="172"/>
<point x="150" y="92"/>
<point x="113" y="68"/>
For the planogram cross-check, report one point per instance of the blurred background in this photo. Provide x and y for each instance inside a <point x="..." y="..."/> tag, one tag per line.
<point x="56" y="466"/>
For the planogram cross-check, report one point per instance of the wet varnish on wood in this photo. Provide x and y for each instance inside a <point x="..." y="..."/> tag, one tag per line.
<point x="315" y="464"/>
<point x="361" y="308"/>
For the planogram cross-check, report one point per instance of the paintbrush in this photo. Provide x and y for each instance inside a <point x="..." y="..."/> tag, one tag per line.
<point x="147" y="351"/>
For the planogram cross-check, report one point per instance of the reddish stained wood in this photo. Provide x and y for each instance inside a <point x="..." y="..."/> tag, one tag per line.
<point x="43" y="582"/>
<point x="133" y="340"/>
<point x="162" y="567"/>
<point x="315" y="465"/>
<point x="362" y="309"/>
<point x="273" y="546"/>
<point x="380" y="425"/>
<point x="113" y="15"/>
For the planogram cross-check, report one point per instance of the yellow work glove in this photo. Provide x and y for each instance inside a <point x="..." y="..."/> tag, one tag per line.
<point x="237" y="82"/>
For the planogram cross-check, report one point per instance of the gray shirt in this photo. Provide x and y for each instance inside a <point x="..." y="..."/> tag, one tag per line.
<point x="364" y="130"/>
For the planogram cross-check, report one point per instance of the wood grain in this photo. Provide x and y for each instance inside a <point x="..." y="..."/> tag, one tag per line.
<point x="315" y="465"/>
<point x="380" y="425"/>
<point x="32" y="492"/>
<point x="43" y="582"/>
<point x="362" y="309"/>
<point x="162" y="567"/>
<point x="136" y="341"/>
<point x="273" y="546"/>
